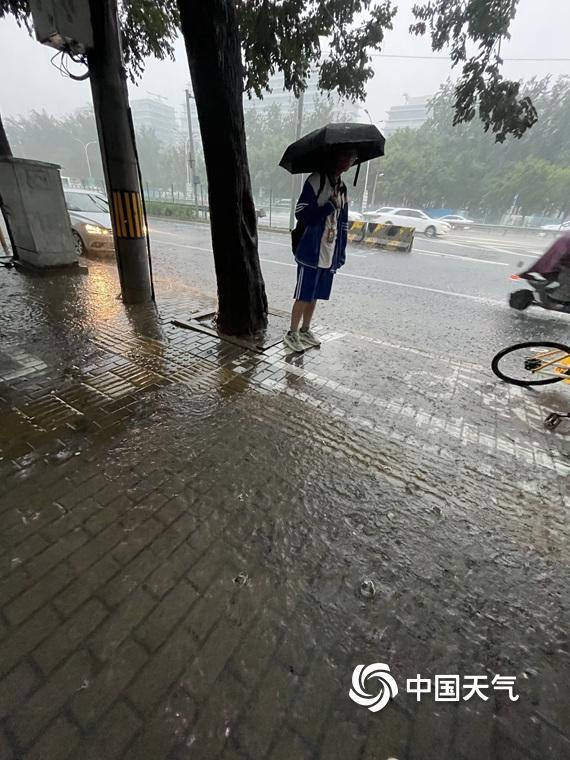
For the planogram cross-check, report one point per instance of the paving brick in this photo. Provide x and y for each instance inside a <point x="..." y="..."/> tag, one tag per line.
<point x="58" y="551"/>
<point x="173" y="536"/>
<point x="217" y="719"/>
<point x="57" y="743"/>
<point x="65" y="639"/>
<point x="389" y="737"/>
<point x="219" y="555"/>
<point x="15" y="687"/>
<point x="85" y="585"/>
<point x="112" y="736"/>
<point x="160" y="673"/>
<point x="268" y="711"/>
<point x="5" y="749"/>
<point x="172" y="510"/>
<point x="120" y="624"/>
<point x="25" y="551"/>
<point x="173" y="607"/>
<point x="84" y="490"/>
<point x="89" y="704"/>
<point x="171" y="570"/>
<point x="39" y="594"/>
<point x="23" y="640"/>
<point x="132" y="543"/>
<point x="69" y="519"/>
<point x="250" y="662"/>
<point x="45" y="704"/>
<point x="431" y="731"/>
<point x="289" y="746"/>
<point x="13" y="584"/>
<point x="111" y="512"/>
<point x="343" y="741"/>
<point x="129" y="577"/>
<point x="210" y="660"/>
<point x="97" y="547"/>
<point x="310" y="707"/>
<point x="210" y="608"/>
<point x="169" y="727"/>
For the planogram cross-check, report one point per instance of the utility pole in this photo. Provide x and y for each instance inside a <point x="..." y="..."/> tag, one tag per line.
<point x="191" y="151"/>
<point x="296" y="183"/>
<point x="118" y="153"/>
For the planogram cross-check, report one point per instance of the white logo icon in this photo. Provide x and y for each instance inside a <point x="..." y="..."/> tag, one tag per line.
<point x="388" y="686"/>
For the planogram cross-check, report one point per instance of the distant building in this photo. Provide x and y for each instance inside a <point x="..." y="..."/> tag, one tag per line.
<point x="412" y="114"/>
<point x="157" y="116"/>
<point x="281" y="97"/>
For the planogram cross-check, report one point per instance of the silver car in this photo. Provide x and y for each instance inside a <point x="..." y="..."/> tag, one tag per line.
<point x="90" y="222"/>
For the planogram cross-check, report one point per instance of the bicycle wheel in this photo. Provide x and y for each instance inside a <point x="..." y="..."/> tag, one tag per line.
<point x="520" y="364"/>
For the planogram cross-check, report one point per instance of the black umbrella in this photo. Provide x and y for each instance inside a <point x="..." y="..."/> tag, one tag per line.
<point x="311" y="153"/>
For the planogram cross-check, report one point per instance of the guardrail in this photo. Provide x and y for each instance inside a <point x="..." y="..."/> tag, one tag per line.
<point x="501" y="230"/>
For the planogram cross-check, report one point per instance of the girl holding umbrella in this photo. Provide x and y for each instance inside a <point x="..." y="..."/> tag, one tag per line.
<point x="320" y="237"/>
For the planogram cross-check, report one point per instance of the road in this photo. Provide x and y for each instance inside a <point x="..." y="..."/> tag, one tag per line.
<point x="448" y="294"/>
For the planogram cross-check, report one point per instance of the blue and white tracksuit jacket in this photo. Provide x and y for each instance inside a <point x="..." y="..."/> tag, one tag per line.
<point x="313" y="216"/>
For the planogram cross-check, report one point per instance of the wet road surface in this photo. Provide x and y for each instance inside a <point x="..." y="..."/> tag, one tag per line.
<point x="188" y="527"/>
<point x="449" y="296"/>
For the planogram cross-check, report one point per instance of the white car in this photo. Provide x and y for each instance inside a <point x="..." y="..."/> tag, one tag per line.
<point x="90" y="221"/>
<point x="383" y="210"/>
<point x="456" y="221"/>
<point x="412" y="217"/>
<point x="355" y="216"/>
<point x="563" y="227"/>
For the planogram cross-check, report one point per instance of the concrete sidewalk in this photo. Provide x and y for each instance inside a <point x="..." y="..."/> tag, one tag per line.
<point x="201" y="542"/>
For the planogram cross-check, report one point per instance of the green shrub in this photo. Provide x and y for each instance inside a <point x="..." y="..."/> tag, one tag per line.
<point x="175" y="210"/>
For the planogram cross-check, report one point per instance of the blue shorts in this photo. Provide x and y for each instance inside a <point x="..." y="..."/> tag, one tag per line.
<point x="313" y="284"/>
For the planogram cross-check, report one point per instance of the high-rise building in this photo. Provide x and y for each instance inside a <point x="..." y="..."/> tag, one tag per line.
<point x="413" y="114"/>
<point x="286" y="99"/>
<point x="157" y="116"/>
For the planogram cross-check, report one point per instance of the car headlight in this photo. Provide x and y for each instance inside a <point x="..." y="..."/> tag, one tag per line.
<point x="94" y="229"/>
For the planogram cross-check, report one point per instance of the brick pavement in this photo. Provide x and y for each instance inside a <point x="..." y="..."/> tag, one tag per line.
<point x="185" y="526"/>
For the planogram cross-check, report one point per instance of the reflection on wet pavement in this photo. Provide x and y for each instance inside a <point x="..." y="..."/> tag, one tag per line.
<point x="186" y="526"/>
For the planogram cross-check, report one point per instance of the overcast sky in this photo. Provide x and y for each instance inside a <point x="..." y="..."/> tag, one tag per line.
<point x="539" y="31"/>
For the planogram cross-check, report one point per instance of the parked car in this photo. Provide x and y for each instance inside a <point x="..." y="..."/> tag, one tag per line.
<point x="456" y="221"/>
<point x="557" y="228"/>
<point x="412" y="217"/>
<point x="370" y="215"/>
<point x="90" y="222"/>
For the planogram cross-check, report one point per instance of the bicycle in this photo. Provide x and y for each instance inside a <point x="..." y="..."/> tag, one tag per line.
<point x="522" y="363"/>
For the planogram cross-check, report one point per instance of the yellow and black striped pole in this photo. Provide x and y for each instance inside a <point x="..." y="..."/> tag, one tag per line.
<point x="128" y="215"/>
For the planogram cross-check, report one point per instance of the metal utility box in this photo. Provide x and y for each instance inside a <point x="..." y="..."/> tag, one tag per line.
<point x="63" y="25"/>
<point x="32" y="200"/>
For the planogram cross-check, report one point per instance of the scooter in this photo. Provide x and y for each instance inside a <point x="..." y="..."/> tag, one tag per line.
<point x="543" y="288"/>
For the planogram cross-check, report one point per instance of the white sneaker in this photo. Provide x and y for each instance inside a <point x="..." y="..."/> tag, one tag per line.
<point x="309" y="338"/>
<point x="293" y="341"/>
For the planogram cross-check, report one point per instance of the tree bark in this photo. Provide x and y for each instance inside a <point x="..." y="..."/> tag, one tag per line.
<point x="5" y="150"/>
<point x="210" y="31"/>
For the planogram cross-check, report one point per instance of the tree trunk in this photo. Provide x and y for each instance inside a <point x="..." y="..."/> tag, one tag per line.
<point x="5" y="150"/>
<point x="210" y="31"/>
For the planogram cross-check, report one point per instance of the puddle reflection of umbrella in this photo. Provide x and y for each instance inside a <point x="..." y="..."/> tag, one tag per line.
<point x="311" y="153"/>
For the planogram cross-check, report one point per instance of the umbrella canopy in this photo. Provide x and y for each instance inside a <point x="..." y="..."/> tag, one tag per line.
<point x="311" y="153"/>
